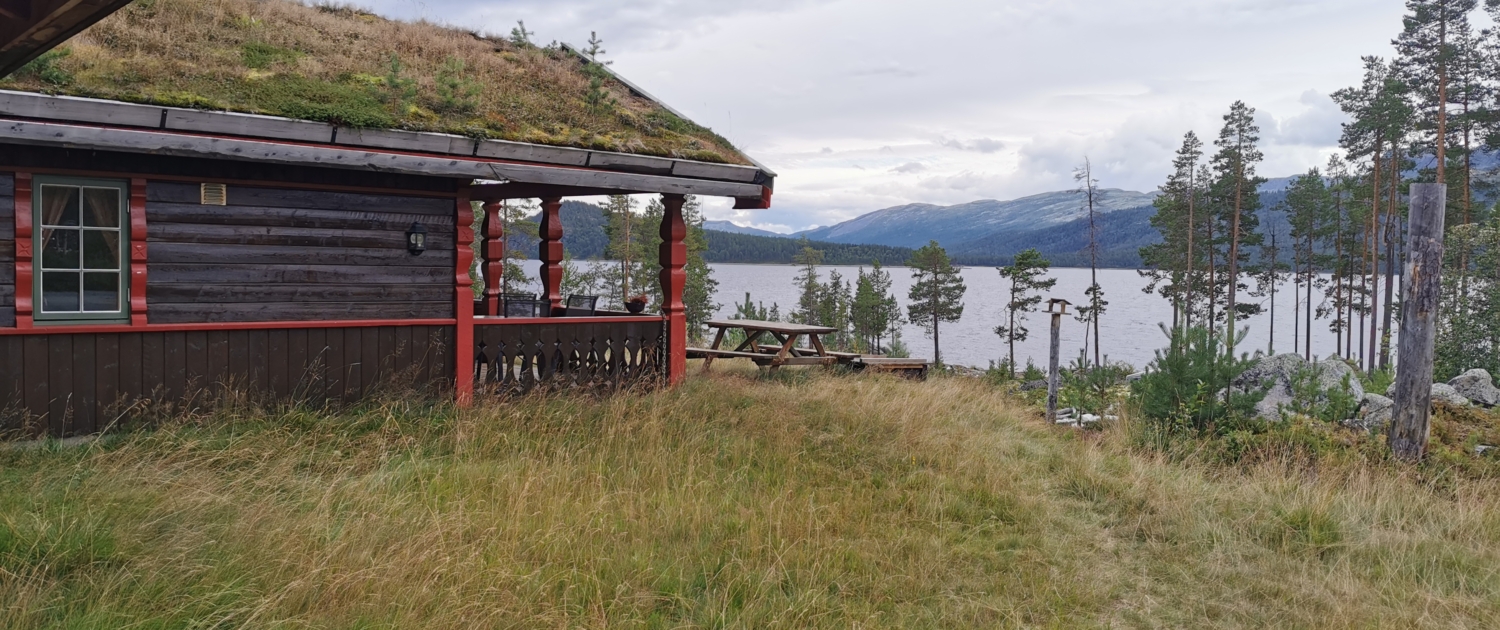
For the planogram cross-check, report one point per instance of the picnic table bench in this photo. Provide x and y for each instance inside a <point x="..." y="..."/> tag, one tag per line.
<point x="783" y="351"/>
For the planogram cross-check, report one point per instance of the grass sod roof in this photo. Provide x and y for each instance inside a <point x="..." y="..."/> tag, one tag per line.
<point x="341" y="65"/>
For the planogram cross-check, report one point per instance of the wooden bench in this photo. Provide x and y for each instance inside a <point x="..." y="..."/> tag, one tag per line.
<point x="704" y="353"/>
<point x="910" y="368"/>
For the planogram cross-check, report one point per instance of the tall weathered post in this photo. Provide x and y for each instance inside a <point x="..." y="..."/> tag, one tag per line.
<point x="1057" y="307"/>
<point x="1420" y="288"/>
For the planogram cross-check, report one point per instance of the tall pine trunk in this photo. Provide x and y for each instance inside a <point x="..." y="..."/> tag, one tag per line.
<point x="1392" y="222"/>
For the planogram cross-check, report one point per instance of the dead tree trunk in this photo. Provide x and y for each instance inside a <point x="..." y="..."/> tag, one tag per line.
<point x="1421" y="288"/>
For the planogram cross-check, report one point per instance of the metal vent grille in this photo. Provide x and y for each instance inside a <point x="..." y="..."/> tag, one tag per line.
<point x="213" y="195"/>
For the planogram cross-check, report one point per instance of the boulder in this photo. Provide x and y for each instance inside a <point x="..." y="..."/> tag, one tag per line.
<point x="1373" y="415"/>
<point x="1033" y="385"/>
<point x="1477" y="386"/>
<point x="1331" y="375"/>
<point x="1446" y="393"/>
<point x="1276" y="373"/>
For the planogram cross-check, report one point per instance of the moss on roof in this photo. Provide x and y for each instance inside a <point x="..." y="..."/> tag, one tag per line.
<point x="342" y="65"/>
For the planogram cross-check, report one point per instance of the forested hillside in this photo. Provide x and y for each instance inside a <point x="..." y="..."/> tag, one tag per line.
<point x="729" y="247"/>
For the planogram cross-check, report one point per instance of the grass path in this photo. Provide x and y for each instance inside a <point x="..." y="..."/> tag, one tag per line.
<point x="870" y="502"/>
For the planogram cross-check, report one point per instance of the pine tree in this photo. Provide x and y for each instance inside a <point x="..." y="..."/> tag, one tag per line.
<point x="1236" y="197"/>
<point x="809" y="285"/>
<point x="1309" y="211"/>
<point x="1026" y="275"/>
<point x="1173" y="264"/>
<point x="936" y="294"/>
<point x="873" y="313"/>
<point x="1090" y="313"/>
<point x="1428" y="50"/>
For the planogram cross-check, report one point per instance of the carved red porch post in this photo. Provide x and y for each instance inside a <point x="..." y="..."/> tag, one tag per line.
<point x="23" y="250"/>
<point x="138" y="252"/>
<point x="494" y="255"/>
<point x="673" y="256"/>
<point x="550" y="251"/>
<point x="463" y="353"/>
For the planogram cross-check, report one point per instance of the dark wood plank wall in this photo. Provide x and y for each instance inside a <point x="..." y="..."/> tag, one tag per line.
<point x="73" y="384"/>
<point x="281" y="254"/>
<point x="7" y="250"/>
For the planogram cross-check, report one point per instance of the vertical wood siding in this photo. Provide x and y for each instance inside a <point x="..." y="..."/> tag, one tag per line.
<point x="286" y="254"/>
<point x="73" y="384"/>
<point x="7" y="251"/>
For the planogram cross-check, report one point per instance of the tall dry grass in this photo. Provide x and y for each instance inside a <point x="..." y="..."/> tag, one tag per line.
<point x="284" y="58"/>
<point x="733" y="501"/>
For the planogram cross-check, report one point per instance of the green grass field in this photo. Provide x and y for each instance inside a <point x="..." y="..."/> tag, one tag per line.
<point x="809" y="501"/>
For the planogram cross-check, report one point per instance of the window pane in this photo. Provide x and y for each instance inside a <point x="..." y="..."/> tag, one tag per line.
<point x="60" y="249"/>
<point x="101" y="249"/>
<point x="60" y="292"/>
<point x="101" y="291"/>
<point x="101" y="207"/>
<point x="59" y="205"/>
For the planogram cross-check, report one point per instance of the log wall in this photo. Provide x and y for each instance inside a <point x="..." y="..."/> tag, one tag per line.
<point x="77" y="383"/>
<point x="7" y="250"/>
<point x="282" y="254"/>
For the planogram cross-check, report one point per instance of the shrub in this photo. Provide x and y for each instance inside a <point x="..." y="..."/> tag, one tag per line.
<point x="1311" y="399"/>
<point x="1187" y="387"/>
<point x="45" y="69"/>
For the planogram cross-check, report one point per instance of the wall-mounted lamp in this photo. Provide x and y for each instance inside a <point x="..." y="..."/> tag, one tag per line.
<point x="416" y="239"/>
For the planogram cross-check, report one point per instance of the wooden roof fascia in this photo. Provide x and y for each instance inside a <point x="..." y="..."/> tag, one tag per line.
<point x="168" y="142"/>
<point x="95" y="111"/>
<point x="33" y="27"/>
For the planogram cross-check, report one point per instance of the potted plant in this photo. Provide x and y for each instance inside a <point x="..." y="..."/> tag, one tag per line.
<point x="637" y="303"/>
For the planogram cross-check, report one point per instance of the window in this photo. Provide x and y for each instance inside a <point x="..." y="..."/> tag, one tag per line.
<point x="82" y="233"/>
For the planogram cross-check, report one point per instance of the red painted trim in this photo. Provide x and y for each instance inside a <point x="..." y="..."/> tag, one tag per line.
<point x="463" y="293"/>
<point x="673" y="257"/>
<point x="137" y="252"/>
<point x="550" y="251"/>
<point x="752" y="203"/>
<point x="256" y="183"/>
<point x="563" y="321"/>
<point x="67" y="329"/>
<point x="24" y="250"/>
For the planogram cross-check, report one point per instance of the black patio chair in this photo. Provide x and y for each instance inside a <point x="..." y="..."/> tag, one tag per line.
<point x="580" y="305"/>
<point x="526" y="308"/>
<point x="506" y="298"/>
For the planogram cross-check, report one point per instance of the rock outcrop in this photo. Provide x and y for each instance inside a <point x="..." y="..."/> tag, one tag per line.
<point x="1373" y="415"/>
<point x="1477" y="386"/>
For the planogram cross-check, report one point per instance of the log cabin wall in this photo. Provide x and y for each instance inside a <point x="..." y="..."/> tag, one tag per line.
<point x="284" y="254"/>
<point x="7" y="250"/>
<point x="257" y="295"/>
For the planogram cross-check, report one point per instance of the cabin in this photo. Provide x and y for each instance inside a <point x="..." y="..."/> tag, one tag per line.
<point x="153" y="252"/>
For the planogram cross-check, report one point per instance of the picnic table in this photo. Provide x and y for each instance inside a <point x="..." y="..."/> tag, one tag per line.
<point x="783" y="351"/>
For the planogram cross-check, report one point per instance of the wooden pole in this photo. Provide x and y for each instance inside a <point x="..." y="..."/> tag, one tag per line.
<point x="1420" y="287"/>
<point x="1052" y="364"/>
<point x="673" y="257"/>
<point x="550" y="250"/>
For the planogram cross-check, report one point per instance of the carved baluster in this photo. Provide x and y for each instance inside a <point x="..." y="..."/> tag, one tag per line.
<point x="494" y="255"/>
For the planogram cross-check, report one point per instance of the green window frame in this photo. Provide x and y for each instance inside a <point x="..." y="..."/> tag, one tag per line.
<point x="81" y="231"/>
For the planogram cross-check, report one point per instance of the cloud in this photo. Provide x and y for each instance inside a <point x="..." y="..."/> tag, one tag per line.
<point x="938" y="84"/>
<point x="982" y="145"/>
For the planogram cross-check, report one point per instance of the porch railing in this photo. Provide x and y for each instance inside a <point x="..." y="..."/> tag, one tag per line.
<point x="515" y="355"/>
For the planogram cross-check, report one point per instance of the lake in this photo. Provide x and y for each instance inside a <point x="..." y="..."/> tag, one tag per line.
<point x="1128" y="330"/>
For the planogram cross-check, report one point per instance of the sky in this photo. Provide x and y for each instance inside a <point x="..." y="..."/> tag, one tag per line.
<point x="859" y="105"/>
